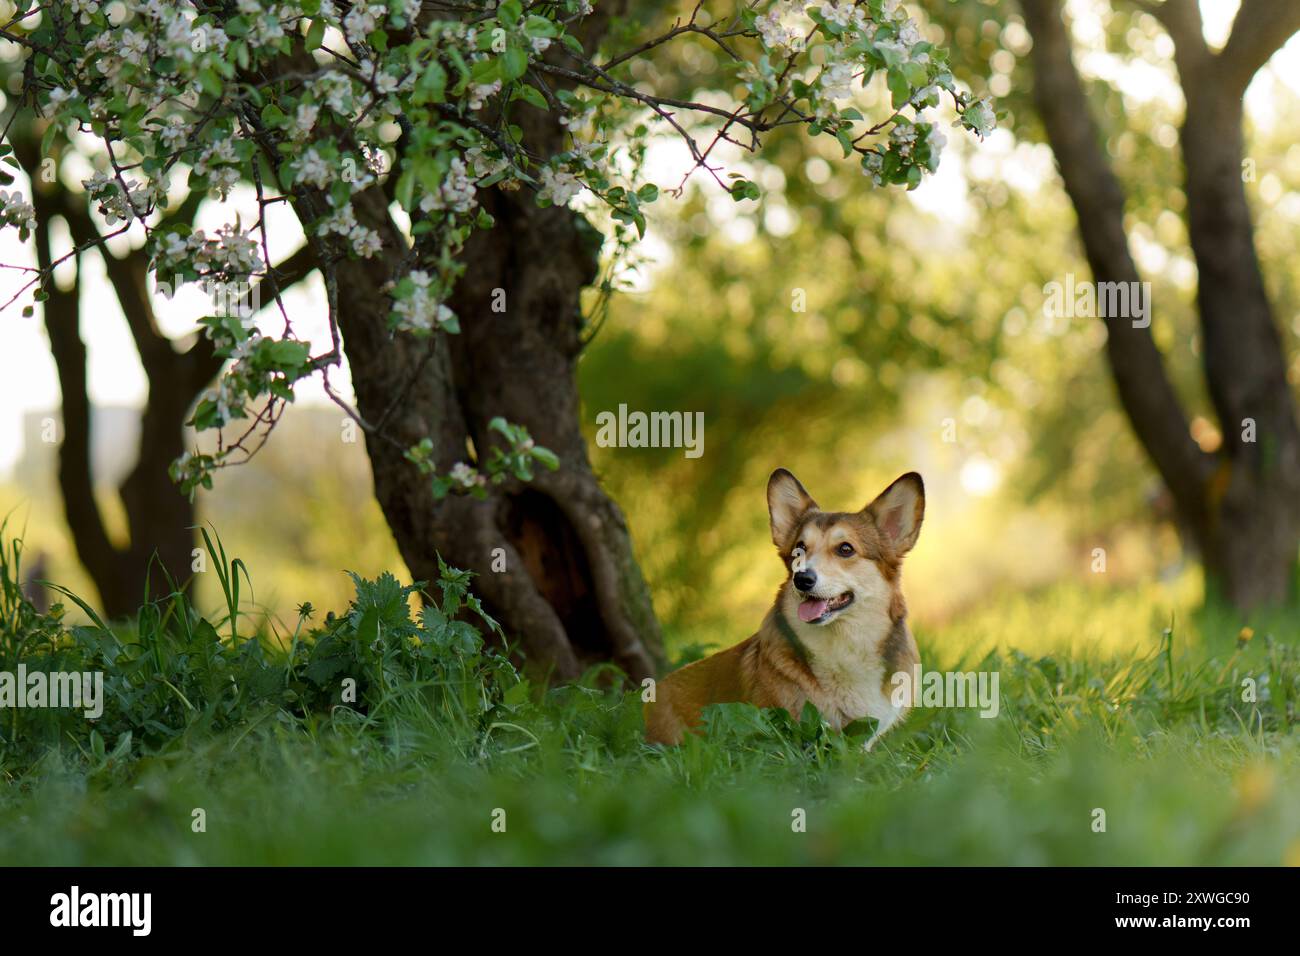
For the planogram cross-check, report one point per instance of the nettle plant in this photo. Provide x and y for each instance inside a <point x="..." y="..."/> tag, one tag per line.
<point x="311" y="102"/>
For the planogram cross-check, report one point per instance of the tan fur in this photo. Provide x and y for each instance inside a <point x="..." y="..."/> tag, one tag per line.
<point x="843" y="666"/>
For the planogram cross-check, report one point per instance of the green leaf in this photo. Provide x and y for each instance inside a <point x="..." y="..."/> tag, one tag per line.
<point x="405" y="189"/>
<point x="433" y="83"/>
<point x="514" y="63"/>
<point x="48" y="139"/>
<point x="915" y="74"/>
<point x="517" y="695"/>
<point x="315" y="34"/>
<point x="899" y="88"/>
<point x="510" y="11"/>
<point x="536" y="26"/>
<point x="486" y="71"/>
<point x="846" y="141"/>
<point x="532" y="96"/>
<point x="209" y="82"/>
<point x="288" y="352"/>
<point x="547" y="457"/>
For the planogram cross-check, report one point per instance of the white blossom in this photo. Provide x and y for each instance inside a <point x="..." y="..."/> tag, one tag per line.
<point x="465" y="476"/>
<point x="844" y="13"/>
<point x="304" y="121"/>
<point x="114" y="204"/>
<point x="335" y="89"/>
<point x="776" y="30"/>
<point x="979" y="117"/>
<point x="361" y="21"/>
<point x="16" y="211"/>
<point x="455" y="193"/>
<point x="228" y="253"/>
<point x="420" y="310"/>
<point x="479" y="94"/>
<point x="903" y="137"/>
<point x="873" y="165"/>
<point x="837" y="81"/>
<point x="482" y="165"/>
<point x="559" y="186"/>
<point x="311" y="168"/>
<point x="85" y="8"/>
<point x="222" y="181"/>
<point x="175" y="133"/>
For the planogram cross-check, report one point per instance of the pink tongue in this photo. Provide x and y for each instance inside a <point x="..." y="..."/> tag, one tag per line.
<point x="810" y="610"/>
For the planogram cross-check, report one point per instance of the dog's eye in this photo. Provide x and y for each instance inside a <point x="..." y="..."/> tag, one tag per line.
<point x="845" y="550"/>
<point x="799" y="550"/>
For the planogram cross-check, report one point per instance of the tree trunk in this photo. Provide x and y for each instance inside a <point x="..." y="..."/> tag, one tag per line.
<point x="1249" y="536"/>
<point x="1243" y="501"/>
<point x="570" y="594"/>
<point x="571" y="538"/>
<point x="553" y="557"/>
<point x="160" y="521"/>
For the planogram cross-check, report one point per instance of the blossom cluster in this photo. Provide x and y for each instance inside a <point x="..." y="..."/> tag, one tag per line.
<point x="15" y="211"/>
<point x="313" y="103"/>
<point x="857" y="40"/>
<point x="226" y="255"/>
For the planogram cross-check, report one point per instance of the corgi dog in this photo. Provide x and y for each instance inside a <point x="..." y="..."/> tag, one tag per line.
<point x="837" y="633"/>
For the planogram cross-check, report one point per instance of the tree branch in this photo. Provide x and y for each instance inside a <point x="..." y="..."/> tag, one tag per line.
<point x="129" y="278"/>
<point x="1261" y="28"/>
<point x="1144" y="388"/>
<point x="1182" y="21"/>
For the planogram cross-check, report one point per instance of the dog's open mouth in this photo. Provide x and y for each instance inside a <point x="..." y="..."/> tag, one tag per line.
<point x="820" y="610"/>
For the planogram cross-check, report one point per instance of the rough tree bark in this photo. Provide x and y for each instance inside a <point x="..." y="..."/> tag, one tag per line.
<point x="1241" y="501"/>
<point x="571" y="594"/>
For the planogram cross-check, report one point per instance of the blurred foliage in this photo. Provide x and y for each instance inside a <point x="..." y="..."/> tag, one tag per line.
<point x="922" y="309"/>
<point x="295" y="552"/>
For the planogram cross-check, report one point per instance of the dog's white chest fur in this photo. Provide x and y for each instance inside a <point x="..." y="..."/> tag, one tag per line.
<point x="850" y="673"/>
<point x="845" y="658"/>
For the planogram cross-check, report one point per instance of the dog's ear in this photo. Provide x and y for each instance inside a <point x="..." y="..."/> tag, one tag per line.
<point x="898" y="510"/>
<point x="787" y="503"/>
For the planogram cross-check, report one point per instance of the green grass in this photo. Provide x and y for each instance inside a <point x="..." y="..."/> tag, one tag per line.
<point x="227" y="716"/>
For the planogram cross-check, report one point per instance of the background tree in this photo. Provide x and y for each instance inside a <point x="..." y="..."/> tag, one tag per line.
<point x="367" y="116"/>
<point x="159" y="522"/>
<point x="1241" y="500"/>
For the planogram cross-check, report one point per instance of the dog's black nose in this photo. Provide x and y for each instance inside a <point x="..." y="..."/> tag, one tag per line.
<point x="805" y="580"/>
